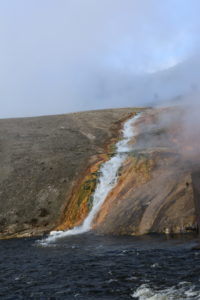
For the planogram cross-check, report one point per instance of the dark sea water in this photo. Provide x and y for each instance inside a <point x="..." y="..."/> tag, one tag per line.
<point x="98" y="267"/>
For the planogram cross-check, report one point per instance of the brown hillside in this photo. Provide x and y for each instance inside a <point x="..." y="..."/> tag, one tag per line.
<point x="41" y="161"/>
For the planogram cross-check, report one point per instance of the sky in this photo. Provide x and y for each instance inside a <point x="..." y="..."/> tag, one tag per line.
<point x="72" y="55"/>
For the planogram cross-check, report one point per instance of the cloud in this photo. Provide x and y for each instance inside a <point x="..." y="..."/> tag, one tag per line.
<point x="64" y="56"/>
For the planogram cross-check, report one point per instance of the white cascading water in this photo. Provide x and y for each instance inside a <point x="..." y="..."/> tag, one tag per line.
<point x="107" y="181"/>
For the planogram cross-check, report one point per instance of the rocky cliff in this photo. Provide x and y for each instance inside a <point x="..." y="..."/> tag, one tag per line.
<point x="49" y="170"/>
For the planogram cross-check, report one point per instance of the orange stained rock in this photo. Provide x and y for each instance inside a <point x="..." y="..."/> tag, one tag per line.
<point x="80" y="203"/>
<point x="78" y="207"/>
<point x="135" y="172"/>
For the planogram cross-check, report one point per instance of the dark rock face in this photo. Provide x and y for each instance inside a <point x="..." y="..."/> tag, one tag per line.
<point x="41" y="160"/>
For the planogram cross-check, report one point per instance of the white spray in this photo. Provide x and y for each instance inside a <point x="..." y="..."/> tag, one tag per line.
<point x="107" y="181"/>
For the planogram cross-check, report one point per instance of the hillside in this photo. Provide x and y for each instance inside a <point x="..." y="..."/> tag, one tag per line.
<point x="50" y="168"/>
<point x="41" y="161"/>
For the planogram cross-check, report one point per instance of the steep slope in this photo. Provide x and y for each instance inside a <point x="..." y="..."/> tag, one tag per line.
<point x="50" y="168"/>
<point x="154" y="192"/>
<point x="43" y="159"/>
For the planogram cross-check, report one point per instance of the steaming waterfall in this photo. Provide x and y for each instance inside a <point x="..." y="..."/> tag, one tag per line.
<point x="107" y="181"/>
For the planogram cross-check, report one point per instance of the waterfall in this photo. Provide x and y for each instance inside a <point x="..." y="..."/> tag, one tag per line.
<point x="107" y="181"/>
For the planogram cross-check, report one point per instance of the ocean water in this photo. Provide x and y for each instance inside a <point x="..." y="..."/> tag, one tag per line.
<point x="89" y="266"/>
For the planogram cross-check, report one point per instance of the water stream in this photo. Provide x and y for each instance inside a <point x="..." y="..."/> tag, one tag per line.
<point x="107" y="181"/>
